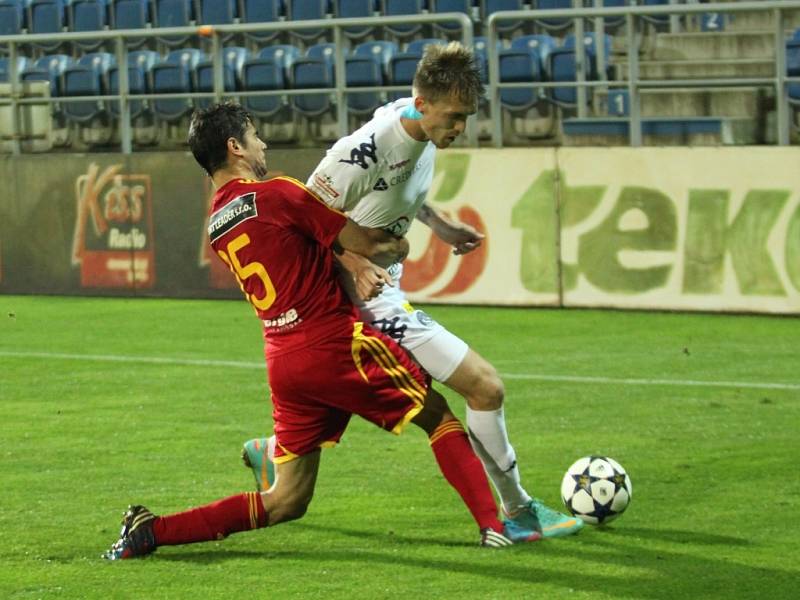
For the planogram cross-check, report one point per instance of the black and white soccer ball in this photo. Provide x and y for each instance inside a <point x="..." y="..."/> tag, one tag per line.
<point x="596" y="489"/>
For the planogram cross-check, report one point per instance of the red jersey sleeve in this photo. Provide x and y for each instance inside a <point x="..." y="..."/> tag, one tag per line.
<point x="307" y="212"/>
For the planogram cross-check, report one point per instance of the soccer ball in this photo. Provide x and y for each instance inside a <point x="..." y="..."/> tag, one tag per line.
<point x="596" y="489"/>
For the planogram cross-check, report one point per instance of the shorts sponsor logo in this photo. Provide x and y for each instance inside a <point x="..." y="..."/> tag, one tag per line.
<point x="425" y="319"/>
<point x="285" y="320"/>
<point x="360" y="154"/>
<point x="391" y="328"/>
<point x="232" y="214"/>
<point x="380" y="185"/>
<point x="399" y="227"/>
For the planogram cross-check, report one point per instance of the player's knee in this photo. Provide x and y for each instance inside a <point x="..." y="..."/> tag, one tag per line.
<point x="287" y="507"/>
<point x="489" y="391"/>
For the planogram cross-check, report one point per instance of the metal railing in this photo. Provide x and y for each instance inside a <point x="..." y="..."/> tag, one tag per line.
<point x="634" y="84"/>
<point x="215" y="33"/>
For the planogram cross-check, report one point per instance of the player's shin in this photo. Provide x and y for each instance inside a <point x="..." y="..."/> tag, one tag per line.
<point x="462" y="469"/>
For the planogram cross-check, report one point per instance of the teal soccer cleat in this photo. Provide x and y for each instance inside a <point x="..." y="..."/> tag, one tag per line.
<point x="255" y="455"/>
<point x="551" y="523"/>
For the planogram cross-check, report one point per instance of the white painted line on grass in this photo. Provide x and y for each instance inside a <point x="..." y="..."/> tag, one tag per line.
<point x="198" y="362"/>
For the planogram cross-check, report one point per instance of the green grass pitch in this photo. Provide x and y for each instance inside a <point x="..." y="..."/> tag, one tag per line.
<point x="105" y="402"/>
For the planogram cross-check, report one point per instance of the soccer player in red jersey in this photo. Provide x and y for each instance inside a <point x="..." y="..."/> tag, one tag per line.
<point x="324" y="365"/>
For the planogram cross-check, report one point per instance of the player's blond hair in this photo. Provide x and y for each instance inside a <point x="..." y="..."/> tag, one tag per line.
<point x="449" y="69"/>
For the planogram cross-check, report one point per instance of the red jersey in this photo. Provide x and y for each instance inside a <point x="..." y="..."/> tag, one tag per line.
<point x="276" y="237"/>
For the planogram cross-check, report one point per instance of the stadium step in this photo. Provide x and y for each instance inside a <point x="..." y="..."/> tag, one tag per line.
<point x="720" y="45"/>
<point x="691" y="102"/>
<point x="700" y="69"/>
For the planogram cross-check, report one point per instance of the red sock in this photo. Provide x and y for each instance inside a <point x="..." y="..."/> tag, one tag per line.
<point x="213" y="521"/>
<point x="463" y="470"/>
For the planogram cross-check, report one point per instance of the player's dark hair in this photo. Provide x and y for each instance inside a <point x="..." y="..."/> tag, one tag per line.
<point x="448" y="69"/>
<point x="210" y="130"/>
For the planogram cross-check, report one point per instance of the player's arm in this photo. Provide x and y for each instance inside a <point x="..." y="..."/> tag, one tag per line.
<point x="464" y="238"/>
<point x="377" y="245"/>
<point x="367" y="277"/>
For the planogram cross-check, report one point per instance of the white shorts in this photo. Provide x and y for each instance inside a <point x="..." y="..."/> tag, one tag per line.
<point x="437" y="350"/>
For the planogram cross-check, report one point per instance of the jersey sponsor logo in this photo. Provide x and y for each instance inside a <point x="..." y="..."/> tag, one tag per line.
<point x="380" y="185"/>
<point x="232" y="214"/>
<point x="359" y="155"/>
<point x="391" y="328"/>
<point x="399" y="227"/>
<point x="322" y="184"/>
<point x="399" y="165"/>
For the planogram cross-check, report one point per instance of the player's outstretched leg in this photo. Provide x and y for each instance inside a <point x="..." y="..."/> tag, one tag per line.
<point x="136" y="537"/>
<point x="257" y="455"/>
<point x="479" y="383"/>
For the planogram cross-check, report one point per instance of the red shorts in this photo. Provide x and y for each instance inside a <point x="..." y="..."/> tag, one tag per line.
<point x="315" y="390"/>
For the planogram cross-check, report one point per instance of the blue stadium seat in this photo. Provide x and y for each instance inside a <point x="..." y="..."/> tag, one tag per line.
<point x="263" y="74"/>
<point x="49" y="68"/>
<point x="310" y="73"/>
<point x="281" y="54"/>
<point x="86" y="78"/>
<point x="393" y="8"/>
<point x="325" y="51"/>
<point x="218" y="12"/>
<point x="540" y="45"/>
<point x="561" y="67"/>
<point x="5" y="67"/>
<point x="308" y="10"/>
<point x="232" y="61"/>
<point x="657" y="20"/>
<point x="418" y="46"/>
<point x="590" y="44"/>
<point x="262" y="11"/>
<point x="553" y="24"/>
<point x="87" y="15"/>
<point x="173" y="13"/>
<point x="12" y="17"/>
<point x="348" y="9"/>
<point x="140" y="64"/>
<point x="448" y="6"/>
<point x="175" y="74"/>
<point x="401" y="72"/>
<point x="793" y="68"/>
<point x="46" y="16"/>
<point x="614" y="22"/>
<point x="130" y="14"/>
<point x="363" y="70"/>
<point x="519" y="66"/>
<point x="382" y="51"/>
<point x="489" y="7"/>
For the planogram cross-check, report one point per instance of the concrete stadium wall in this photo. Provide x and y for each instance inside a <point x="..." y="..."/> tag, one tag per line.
<point x="715" y="229"/>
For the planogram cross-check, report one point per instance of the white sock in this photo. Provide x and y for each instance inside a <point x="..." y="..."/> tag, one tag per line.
<point x="271" y="447"/>
<point x="487" y="432"/>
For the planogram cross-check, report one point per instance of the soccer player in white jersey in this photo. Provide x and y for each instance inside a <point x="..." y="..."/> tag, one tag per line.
<point x="380" y="176"/>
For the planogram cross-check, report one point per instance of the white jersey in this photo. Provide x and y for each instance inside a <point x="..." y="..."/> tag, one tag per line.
<point x="380" y="176"/>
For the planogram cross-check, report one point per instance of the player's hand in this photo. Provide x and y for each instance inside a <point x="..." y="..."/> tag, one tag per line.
<point x="464" y="238"/>
<point x="371" y="281"/>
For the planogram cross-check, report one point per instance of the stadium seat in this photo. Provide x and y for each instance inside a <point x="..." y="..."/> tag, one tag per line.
<point x="658" y="20"/>
<point x="557" y="23"/>
<point x="489" y="7"/>
<point x="175" y="74"/>
<point x="540" y="45"/>
<point x="312" y="73"/>
<point x="282" y="54"/>
<point x="140" y="64"/>
<point x="561" y="67"/>
<point x="87" y="15"/>
<point x="349" y="9"/>
<point x="130" y="14"/>
<point x="263" y="74"/>
<point x="590" y="45"/>
<point x="49" y="68"/>
<point x="418" y="46"/>
<point x="402" y="67"/>
<point x="12" y="17"/>
<point x="519" y="66"/>
<point x="325" y="51"/>
<point x="308" y="10"/>
<point x="86" y="78"/>
<point x="614" y="22"/>
<point x="5" y="68"/>
<point x="46" y="16"/>
<point x="232" y="61"/>
<point x="382" y="51"/>
<point x="262" y="11"/>
<point x="173" y="13"/>
<point x="218" y="12"/>
<point x="393" y="8"/>
<point x="793" y="69"/>
<point x="450" y="6"/>
<point x="365" y="70"/>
